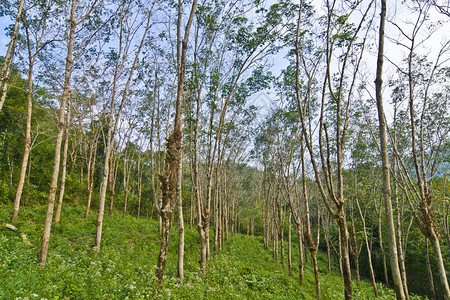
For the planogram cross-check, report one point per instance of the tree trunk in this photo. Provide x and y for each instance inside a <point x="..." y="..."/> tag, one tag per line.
<point x="113" y="122"/>
<point x="126" y="180"/>
<point x="202" y="212"/>
<point x="275" y="236"/>
<point x="369" y="254"/>
<point x="316" y="271"/>
<point x="216" y="213"/>
<point x="429" y="270"/>
<point x="440" y="265"/>
<point x="8" y="61"/>
<point x="346" y="271"/>
<point x="64" y="167"/>
<point x="281" y="231"/>
<point x="27" y="150"/>
<point x="90" y="175"/>
<point x="383" y="253"/>
<point x="401" y="256"/>
<point x="355" y="250"/>
<point x="174" y="150"/>
<point x="300" y="253"/>
<point x="139" y="186"/>
<point x="393" y="255"/>
<point x="290" y="245"/>
<point x="114" y="165"/>
<point x="56" y="164"/>
<point x="180" y="223"/>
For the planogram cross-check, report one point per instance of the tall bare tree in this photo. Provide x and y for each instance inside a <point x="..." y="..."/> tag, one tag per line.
<point x="8" y="60"/>
<point x="33" y="48"/>
<point x="127" y="29"/>
<point x="61" y="122"/>
<point x="169" y="180"/>
<point x="393" y="256"/>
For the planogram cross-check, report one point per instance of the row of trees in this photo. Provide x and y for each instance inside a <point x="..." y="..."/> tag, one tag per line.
<point x="145" y="107"/>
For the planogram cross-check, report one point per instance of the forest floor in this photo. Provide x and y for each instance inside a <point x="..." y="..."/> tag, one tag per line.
<point x="125" y="266"/>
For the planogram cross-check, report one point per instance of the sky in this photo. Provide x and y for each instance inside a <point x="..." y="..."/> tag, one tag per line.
<point x="397" y="15"/>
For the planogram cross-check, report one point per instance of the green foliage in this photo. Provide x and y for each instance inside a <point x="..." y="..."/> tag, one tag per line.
<point x="125" y="266"/>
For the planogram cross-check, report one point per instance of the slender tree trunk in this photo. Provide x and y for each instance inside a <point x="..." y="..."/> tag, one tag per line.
<point x="440" y="265"/>
<point x="290" y="245"/>
<point x="281" y="232"/>
<point x="316" y="271"/>
<point x="6" y="69"/>
<point x="300" y="252"/>
<point x="114" y="165"/>
<point x="383" y="253"/>
<point x="328" y="254"/>
<point x="353" y="243"/>
<point x="27" y="150"/>
<point x="139" y="186"/>
<point x="401" y="256"/>
<point x="342" y="224"/>
<point x="202" y="213"/>
<point x="327" y="241"/>
<point x="126" y="181"/>
<point x="90" y="175"/>
<point x="180" y="224"/>
<point x="64" y="167"/>
<point x="216" y="212"/>
<point x="339" y="254"/>
<point x="312" y="246"/>
<point x="226" y="219"/>
<point x="174" y="148"/>
<point x="113" y="122"/>
<point x="103" y="188"/>
<point x="8" y="61"/>
<point x="393" y="255"/>
<point x="275" y="234"/>
<point x="56" y="164"/>
<point x="429" y="270"/>
<point x="369" y="254"/>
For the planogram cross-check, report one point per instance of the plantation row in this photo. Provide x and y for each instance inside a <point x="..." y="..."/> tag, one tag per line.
<point x="320" y="128"/>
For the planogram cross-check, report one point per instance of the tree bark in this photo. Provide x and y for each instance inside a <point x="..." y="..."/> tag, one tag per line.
<point x="26" y="153"/>
<point x="440" y="265"/>
<point x="290" y="245"/>
<point x="369" y="254"/>
<point x="393" y="255"/>
<point x="429" y="270"/>
<point x="8" y="61"/>
<point x="174" y="148"/>
<point x="300" y="253"/>
<point x="64" y="167"/>
<point x="90" y="176"/>
<point x="56" y="164"/>
<point x="139" y="183"/>
<point x="180" y="223"/>
<point x="114" y="118"/>
<point x="346" y="271"/>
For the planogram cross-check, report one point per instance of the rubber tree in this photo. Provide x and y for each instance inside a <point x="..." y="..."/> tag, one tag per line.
<point x="169" y="179"/>
<point x="8" y="60"/>
<point x="419" y="83"/>
<point x="127" y="27"/>
<point x="61" y="121"/>
<point x="34" y="26"/>
<point x="339" y="51"/>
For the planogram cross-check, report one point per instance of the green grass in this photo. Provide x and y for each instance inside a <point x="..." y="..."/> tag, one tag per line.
<point x="125" y="266"/>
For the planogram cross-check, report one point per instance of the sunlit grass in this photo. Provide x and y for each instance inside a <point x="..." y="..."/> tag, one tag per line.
<point x="125" y="266"/>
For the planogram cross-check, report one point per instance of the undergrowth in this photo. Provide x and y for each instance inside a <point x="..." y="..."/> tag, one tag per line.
<point x="125" y="266"/>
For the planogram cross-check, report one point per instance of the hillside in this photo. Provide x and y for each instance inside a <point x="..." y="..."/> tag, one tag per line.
<point x="125" y="266"/>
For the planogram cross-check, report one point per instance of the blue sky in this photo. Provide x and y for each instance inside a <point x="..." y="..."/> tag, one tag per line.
<point x="4" y="40"/>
